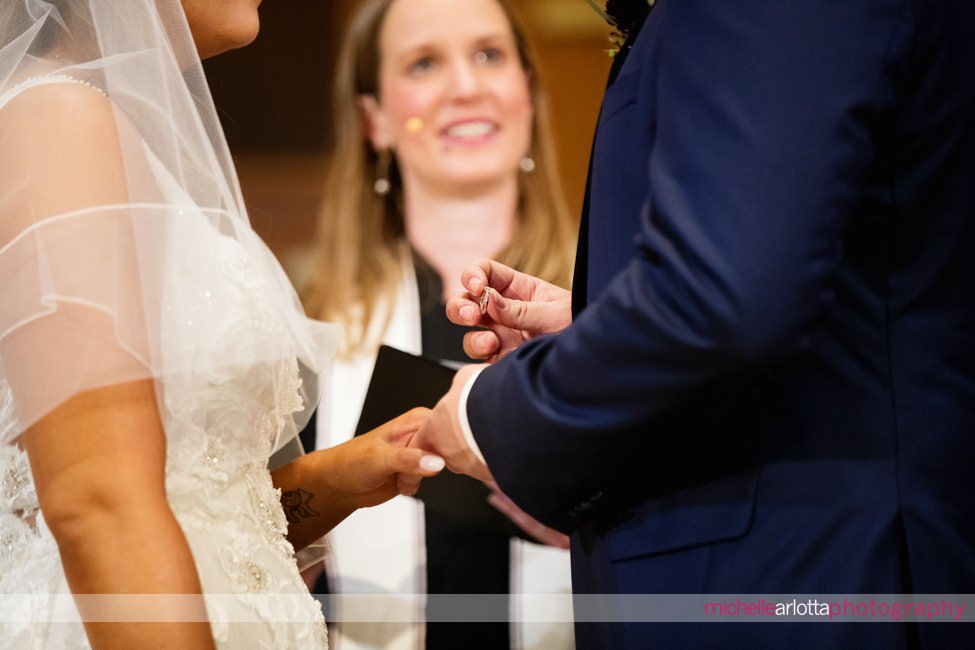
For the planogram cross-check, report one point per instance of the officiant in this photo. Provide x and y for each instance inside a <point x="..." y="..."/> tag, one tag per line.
<point x="443" y="154"/>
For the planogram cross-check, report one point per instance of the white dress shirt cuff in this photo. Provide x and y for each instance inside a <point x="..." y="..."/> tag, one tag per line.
<point x="465" y="425"/>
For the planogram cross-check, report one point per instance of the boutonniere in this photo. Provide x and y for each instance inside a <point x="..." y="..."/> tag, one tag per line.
<point x="624" y="16"/>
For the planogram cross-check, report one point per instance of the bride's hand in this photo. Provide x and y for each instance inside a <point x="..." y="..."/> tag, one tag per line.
<point x="365" y="468"/>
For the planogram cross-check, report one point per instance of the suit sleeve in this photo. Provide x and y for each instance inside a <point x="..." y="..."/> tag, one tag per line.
<point x="767" y="115"/>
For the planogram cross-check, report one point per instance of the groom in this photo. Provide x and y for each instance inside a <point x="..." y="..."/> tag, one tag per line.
<point x="768" y="383"/>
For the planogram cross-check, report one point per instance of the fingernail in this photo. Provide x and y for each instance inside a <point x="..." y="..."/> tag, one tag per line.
<point x="476" y="287"/>
<point x="467" y="313"/>
<point x="432" y="463"/>
<point x="499" y="302"/>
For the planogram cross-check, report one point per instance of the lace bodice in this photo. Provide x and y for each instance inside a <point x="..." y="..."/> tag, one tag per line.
<point x="220" y="431"/>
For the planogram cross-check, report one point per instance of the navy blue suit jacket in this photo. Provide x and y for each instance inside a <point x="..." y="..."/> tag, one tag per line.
<point x="771" y="388"/>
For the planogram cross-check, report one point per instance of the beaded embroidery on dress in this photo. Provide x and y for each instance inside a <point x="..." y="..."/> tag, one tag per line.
<point x="221" y="428"/>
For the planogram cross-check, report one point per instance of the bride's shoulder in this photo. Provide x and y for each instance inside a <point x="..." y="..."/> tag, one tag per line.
<point x="56" y="112"/>
<point x="60" y="143"/>
<point x="53" y="103"/>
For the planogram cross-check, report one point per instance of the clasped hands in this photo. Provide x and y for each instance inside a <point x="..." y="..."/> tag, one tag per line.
<point x="519" y="307"/>
<point x="416" y="445"/>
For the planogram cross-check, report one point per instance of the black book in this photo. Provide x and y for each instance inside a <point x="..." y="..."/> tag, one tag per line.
<point x="402" y="381"/>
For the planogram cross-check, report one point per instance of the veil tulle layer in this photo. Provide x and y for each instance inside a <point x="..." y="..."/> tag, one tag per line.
<point x="130" y="256"/>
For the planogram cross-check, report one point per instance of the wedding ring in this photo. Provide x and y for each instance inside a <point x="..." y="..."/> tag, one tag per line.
<point x="485" y="300"/>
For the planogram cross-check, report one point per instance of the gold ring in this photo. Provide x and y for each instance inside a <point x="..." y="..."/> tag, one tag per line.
<point x="485" y="299"/>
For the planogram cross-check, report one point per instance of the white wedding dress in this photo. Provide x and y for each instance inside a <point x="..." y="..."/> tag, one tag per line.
<point x="221" y="428"/>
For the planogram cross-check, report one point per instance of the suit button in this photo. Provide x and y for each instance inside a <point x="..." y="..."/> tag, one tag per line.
<point x="585" y="507"/>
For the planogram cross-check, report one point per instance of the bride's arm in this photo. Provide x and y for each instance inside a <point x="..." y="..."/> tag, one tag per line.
<point x="98" y="462"/>
<point x="98" y="459"/>
<point x="321" y="489"/>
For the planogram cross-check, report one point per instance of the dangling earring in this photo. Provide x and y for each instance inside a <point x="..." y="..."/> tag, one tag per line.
<point x="527" y="164"/>
<point x="382" y="184"/>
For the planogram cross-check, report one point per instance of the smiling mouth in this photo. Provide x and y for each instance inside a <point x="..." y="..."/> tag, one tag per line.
<point x="471" y="130"/>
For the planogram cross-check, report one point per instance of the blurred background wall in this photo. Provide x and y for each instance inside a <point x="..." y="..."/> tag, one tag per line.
<point x="274" y="97"/>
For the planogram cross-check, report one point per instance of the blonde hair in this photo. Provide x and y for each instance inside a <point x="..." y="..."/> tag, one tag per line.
<point x="360" y="234"/>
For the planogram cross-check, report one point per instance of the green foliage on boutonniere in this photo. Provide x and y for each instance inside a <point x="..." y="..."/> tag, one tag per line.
<point x="624" y="16"/>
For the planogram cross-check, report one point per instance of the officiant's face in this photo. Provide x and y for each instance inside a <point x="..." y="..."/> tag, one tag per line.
<point x="454" y="97"/>
<point x="221" y="25"/>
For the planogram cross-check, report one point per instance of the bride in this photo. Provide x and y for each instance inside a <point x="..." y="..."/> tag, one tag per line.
<point x="153" y="356"/>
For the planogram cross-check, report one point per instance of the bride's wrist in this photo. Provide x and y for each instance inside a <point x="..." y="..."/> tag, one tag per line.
<point x="327" y="473"/>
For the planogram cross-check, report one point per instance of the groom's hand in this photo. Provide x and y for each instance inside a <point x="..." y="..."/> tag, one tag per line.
<point x="531" y="526"/>
<point x="520" y="307"/>
<point x="441" y="434"/>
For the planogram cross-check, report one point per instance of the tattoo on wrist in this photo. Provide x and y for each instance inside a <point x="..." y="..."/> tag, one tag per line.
<point x="296" y="505"/>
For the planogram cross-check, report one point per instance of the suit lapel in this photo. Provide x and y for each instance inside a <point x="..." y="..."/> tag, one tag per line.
<point x="580" y="272"/>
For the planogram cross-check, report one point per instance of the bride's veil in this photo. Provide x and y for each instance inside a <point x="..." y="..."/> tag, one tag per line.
<point x="121" y="219"/>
